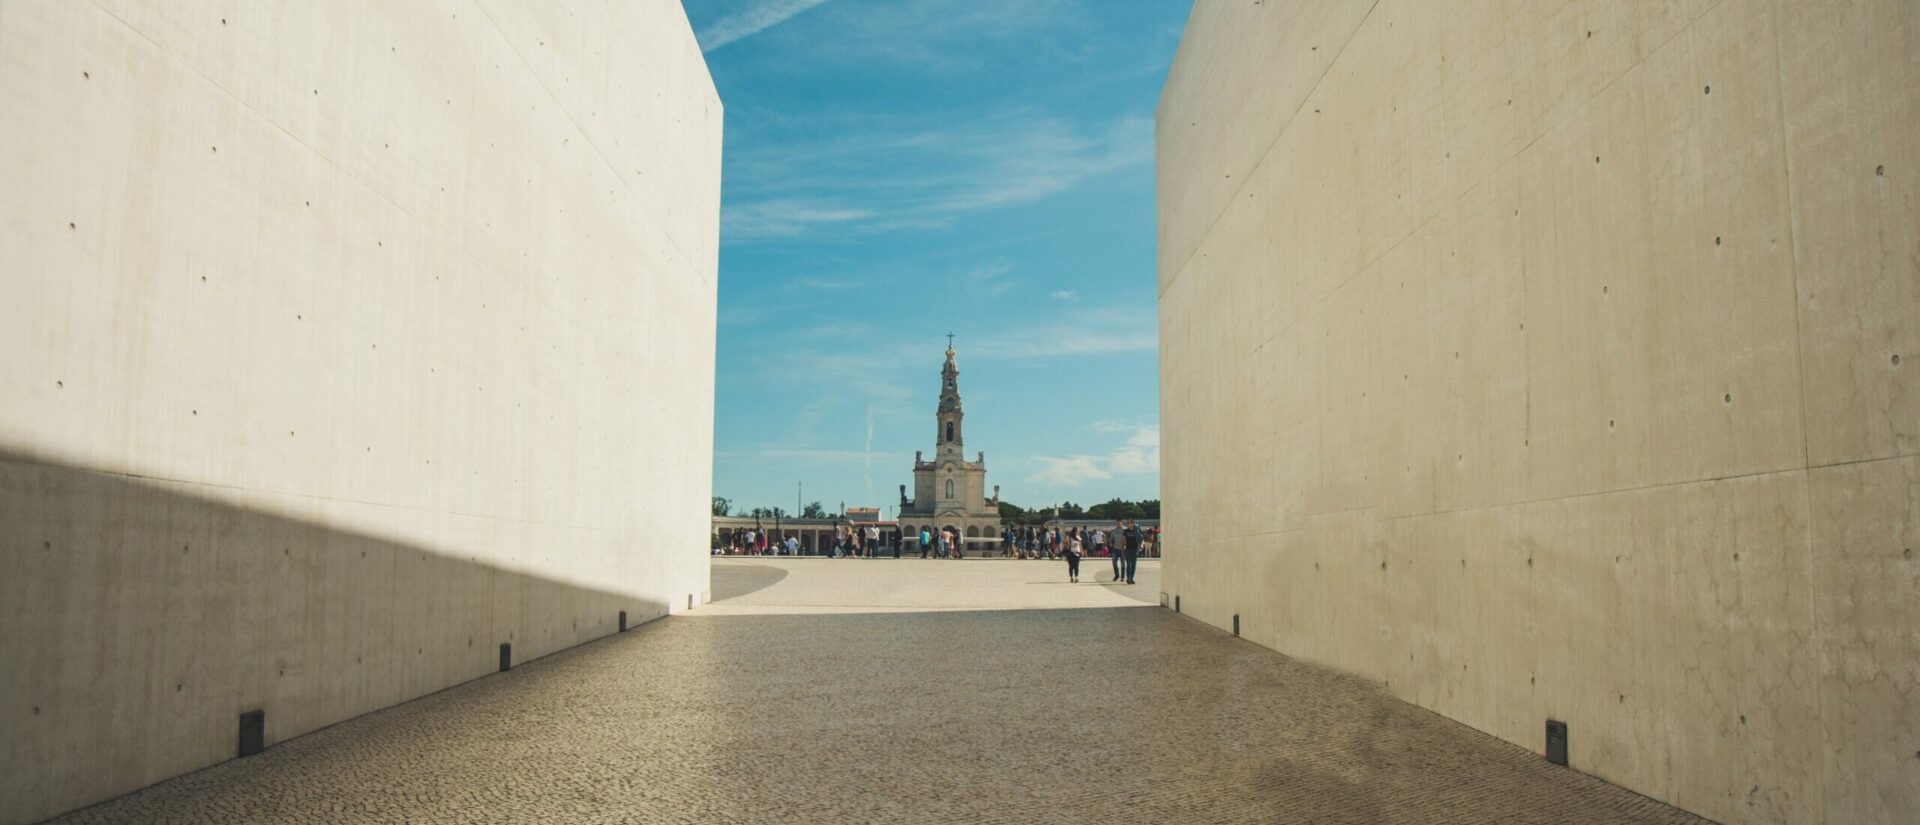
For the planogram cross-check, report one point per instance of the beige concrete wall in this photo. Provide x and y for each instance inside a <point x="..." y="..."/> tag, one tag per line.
<point x="339" y="343"/>
<point x="1544" y="360"/>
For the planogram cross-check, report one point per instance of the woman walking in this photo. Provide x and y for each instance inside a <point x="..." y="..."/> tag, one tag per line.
<point x="1073" y="560"/>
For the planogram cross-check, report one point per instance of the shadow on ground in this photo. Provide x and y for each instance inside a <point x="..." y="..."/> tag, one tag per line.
<point x="1081" y="715"/>
<point x="731" y="581"/>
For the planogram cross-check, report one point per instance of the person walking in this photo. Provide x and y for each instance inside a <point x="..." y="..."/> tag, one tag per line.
<point x="1131" y="543"/>
<point x="1073" y="562"/>
<point x="926" y="542"/>
<point x="1110" y="543"/>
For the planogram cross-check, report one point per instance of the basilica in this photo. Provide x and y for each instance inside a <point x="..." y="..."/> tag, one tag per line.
<point x="951" y="491"/>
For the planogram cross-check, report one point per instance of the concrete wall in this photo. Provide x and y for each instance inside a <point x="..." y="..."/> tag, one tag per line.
<point x="1545" y="360"/>
<point x="340" y="342"/>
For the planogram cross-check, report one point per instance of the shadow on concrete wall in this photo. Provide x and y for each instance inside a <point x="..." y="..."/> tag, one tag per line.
<point x="139" y="620"/>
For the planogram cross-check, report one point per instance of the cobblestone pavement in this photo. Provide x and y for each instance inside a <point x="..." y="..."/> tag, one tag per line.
<point x="1105" y="714"/>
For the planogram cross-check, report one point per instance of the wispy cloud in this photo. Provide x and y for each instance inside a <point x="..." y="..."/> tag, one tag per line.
<point x="939" y="33"/>
<point x="784" y="218"/>
<point x="1065" y="296"/>
<point x="752" y="21"/>
<point x="1078" y="332"/>
<point x="867" y="175"/>
<point x="1138" y="454"/>
<point x="809" y="282"/>
<point x="848" y="456"/>
<point x="989" y="279"/>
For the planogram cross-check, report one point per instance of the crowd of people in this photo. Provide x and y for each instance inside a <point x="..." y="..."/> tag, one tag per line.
<point x="848" y="542"/>
<point x="1123" y="545"/>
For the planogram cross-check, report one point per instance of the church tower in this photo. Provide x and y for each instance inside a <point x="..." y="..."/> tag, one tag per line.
<point x="950" y="492"/>
<point x="947" y="442"/>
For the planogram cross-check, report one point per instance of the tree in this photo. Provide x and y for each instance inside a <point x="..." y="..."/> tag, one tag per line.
<point x="1122" y="509"/>
<point x="722" y="506"/>
<point x="813" y="510"/>
<point x="1014" y="513"/>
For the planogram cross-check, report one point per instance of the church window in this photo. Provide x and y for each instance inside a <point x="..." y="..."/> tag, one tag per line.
<point x="949" y="434"/>
<point x="949" y="488"/>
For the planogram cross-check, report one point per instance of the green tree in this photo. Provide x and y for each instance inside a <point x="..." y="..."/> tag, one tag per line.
<point x="722" y="506"/>
<point x="813" y="510"/>
<point x="1014" y="513"/>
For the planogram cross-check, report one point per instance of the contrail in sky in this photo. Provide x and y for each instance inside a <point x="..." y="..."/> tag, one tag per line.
<point x="869" y="457"/>
<point x="752" y="21"/>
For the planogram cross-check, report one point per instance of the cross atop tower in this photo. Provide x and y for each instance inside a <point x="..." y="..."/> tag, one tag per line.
<point x="949" y="340"/>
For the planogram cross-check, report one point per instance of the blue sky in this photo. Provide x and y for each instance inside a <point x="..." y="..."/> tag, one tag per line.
<point x="896" y="170"/>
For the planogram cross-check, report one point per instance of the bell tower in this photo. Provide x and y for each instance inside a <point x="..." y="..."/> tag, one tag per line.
<point x="949" y="492"/>
<point x="950" y="437"/>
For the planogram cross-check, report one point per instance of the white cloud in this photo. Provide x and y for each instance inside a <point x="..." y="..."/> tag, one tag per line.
<point x="783" y="218"/>
<point x="752" y="21"/>
<point x="1045" y="158"/>
<point x="1068" y="472"/>
<point x="824" y="284"/>
<point x="846" y="456"/>
<point x="1065" y="296"/>
<point x="1079" y="332"/>
<point x="865" y="174"/>
<point x="936" y="32"/>
<point x="989" y="279"/>
<point x="1139" y="455"/>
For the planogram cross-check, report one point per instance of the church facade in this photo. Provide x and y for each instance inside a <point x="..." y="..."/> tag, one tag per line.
<point x="949" y="490"/>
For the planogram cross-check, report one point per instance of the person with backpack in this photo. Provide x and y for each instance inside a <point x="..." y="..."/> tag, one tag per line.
<point x="1073" y="560"/>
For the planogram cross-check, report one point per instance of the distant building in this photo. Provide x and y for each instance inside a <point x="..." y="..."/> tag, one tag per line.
<point x="950" y="491"/>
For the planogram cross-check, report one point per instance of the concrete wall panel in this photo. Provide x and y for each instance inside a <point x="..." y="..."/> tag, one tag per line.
<point x="1526" y="368"/>
<point x="342" y="342"/>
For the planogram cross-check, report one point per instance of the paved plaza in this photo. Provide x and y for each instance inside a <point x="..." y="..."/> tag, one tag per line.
<point x="818" y="690"/>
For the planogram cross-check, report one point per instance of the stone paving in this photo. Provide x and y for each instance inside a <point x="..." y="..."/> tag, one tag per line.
<point x="783" y="711"/>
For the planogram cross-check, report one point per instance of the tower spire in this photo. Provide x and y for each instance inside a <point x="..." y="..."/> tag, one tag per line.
<point x="949" y="415"/>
